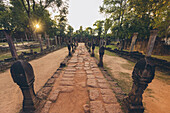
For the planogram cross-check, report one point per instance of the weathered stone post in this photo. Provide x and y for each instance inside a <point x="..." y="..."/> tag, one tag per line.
<point x="143" y="74"/>
<point x="89" y="45"/>
<point x="23" y="75"/>
<point x="22" y="41"/>
<point x="15" y="41"/>
<point x="40" y="41"/>
<point x="69" y="48"/>
<point x="122" y="44"/>
<point x="47" y="41"/>
<point x="11" y="46"/>
<point x="56" y="42"/>
<point x="59" y="40"/>
<point x="93" y="47"/>
<point x="152" y="38"/>
<point x="135" y="35"/>
<point x="101" y="53"/>
<point x="72" y="46"/>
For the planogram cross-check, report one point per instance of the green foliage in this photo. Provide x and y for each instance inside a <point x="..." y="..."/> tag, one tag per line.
<point x="99" y="27"/>
<point x="140" y="16"/>
<point x="23" y="15"/>
<point x="70" y="30"/>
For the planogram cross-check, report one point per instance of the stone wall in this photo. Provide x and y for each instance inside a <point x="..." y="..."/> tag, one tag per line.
<point x="160" y="48"/>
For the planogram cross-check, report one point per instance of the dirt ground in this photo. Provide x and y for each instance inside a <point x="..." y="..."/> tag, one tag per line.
<point x="11" y="96"/>
<point x="156" y="97"/>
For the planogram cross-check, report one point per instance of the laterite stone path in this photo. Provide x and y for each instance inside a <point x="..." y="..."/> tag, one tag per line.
<point x="81" y="88"/>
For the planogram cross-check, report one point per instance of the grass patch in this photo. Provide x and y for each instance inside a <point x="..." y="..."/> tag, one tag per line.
<point x="148" y="90"/>
<point x="163" y="76"/>
<point x="112" y="46"/>
<point x="106" y="52"/>
<point x="38" y="50"/>
<point x="110" y="53"/>
<point x="4" y="56"/>
<point x="127" y="66"/>
<point x="162" y="57"/>
<point x="3" y="43"/>
<point x="125" y="86"/>
<point x="124" y="75"/>
<point x="8" y="55"/>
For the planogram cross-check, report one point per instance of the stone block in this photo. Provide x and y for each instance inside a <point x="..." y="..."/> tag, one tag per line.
<point x="91" y="83"/>
<point x="66" y="89"/>
<point x="70" y="69"/>
<point x="107" y="92"/>
<point x="66" y="83"/>
<point x="103" y="85"/>
<point x="68" y="75"/>
<point x="96" y="107"/>
<point x="67" y="79"/>
<point x="46" y="107"/>
<point x="86" y="108"/>
<point x="43" y="93"/>
<point x="101" y="81"/>
<point x="53" y="97"/>
<point x="50" y="82"/>
<point x="94" y="94"/>
<point x="90" y="76"/>
<point x="69" y="72"/>
<point x="99" y="77"/>
<point x="113" y="108"/>
<point x="89" y="72"/>
<point x="109" y="99"/>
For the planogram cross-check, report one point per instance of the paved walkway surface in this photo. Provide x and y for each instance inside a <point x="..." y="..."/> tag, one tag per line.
<point x="81" y="88"/>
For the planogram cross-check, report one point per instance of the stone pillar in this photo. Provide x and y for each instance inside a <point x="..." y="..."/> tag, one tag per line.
<point x="15" y="41"/>
<point x="59" y="40"/>
<point x="47" y="41"/>
<point x="143" y="74"/>
<point x="122" y="43"/>
<point x="56" y="42"/>
<point x="152" y="38"/>
<point x="135" y="35"/>
<point x="72" y="46"/>
<point x="69" y="49"/>
<point x="101" y="53"/>
<point x="11" y="46"/>
<point x="22" y="41"/>
<point x="40" y="41"/>
<point x="89" y="45"/>
<point x="23" y="75"/>
<point x="93" y="47"/>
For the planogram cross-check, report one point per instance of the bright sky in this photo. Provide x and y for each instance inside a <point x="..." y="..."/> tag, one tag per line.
<point x="84" y="13"/>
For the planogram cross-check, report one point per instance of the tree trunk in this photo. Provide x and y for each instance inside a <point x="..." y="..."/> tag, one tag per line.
<point x="11" y="46"/>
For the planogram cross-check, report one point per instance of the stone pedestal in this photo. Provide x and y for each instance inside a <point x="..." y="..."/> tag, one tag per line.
<point x="47" y="41"/>
<point x="89" y="45"/>
<point x="152" y="38"/>
<point x="143" y="74"/>
<point x="56" y="41"/>
<point x="101" y="53"/>
<point x="40" y="41"/>
<point x="133" y="41"/>
<point x="23" y="74"/>
<point x="93" y="47"/>
<point x="69" y="49"/>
